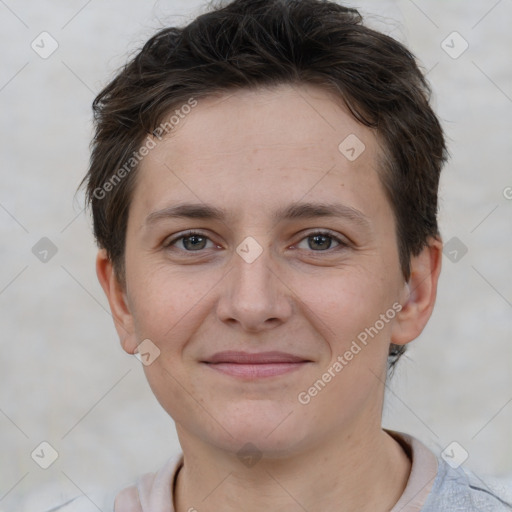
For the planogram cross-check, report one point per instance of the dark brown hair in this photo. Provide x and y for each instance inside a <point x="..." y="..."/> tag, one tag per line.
<point x="256" y="43"/>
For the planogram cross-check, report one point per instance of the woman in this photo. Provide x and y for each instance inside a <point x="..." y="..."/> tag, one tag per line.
<point x="263" y="184"/>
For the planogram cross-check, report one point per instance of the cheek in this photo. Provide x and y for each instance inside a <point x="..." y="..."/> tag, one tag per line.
<point x="347" y="302"/>
<point x="166" y="304"/>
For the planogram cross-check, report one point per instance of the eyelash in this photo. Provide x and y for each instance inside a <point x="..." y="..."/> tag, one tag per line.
<point x="341" y="244"/>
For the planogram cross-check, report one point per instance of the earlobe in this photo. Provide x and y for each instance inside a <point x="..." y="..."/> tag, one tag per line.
<point x="117" y="298"/>
<point x="419" y="294"/>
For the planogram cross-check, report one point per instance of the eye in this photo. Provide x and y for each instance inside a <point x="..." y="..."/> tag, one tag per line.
<point x="195" y="241"/>
<point x="321" y="241"/>
<point x="191" y="241"/>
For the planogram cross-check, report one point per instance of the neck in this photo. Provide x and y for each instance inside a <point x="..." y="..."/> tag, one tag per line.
<point x="364" y="471"/>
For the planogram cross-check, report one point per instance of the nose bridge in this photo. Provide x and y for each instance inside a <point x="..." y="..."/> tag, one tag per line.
<point x="254" y="295"/>
<point x="253" y="269"/>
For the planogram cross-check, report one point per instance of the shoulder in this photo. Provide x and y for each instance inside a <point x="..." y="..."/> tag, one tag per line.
<point x="435" y="486"/>
<point x="457" y="490"/>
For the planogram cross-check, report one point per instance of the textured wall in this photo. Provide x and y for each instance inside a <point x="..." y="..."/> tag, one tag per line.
<point x="65" y="380"/>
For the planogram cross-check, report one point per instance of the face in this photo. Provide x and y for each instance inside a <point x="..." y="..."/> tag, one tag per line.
<point x="273" y="318"/>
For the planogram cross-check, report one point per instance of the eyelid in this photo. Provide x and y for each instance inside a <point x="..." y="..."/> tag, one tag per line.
<point x="341" y="241"/>
<point x="170" y="241"/>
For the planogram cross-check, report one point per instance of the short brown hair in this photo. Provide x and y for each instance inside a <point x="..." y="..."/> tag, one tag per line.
<point x="256" y="43"/>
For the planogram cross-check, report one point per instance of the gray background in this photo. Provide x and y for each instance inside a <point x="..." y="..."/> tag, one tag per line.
<point x="65" y="379"/>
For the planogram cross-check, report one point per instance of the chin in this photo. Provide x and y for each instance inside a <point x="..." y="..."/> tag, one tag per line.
<point x="271" y="427"/>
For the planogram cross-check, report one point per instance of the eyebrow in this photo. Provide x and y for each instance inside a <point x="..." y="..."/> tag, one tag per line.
<point x="293" y="211"/>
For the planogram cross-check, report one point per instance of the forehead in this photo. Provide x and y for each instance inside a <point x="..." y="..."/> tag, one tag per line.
<point x="262" y="148"/>
<point x="303" y="116"/>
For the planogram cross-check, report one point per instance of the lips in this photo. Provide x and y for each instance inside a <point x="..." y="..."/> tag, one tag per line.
<point x="234" y="357"/>
<point x="253" y="366"/>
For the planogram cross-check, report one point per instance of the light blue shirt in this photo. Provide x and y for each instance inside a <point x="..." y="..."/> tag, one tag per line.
<point x="456" y="490"/>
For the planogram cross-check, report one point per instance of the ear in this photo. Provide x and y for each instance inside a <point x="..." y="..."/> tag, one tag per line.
<point x="419" y="294"/>
<point x="117" y="298"/>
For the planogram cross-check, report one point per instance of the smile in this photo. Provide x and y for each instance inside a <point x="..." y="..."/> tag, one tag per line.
<point x="255" y="366"/>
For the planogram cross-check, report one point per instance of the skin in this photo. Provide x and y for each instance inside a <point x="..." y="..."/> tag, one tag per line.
<point x="252" y="153"/>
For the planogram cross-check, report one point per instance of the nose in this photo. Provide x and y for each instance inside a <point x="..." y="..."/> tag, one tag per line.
<point x="254" y="295"/>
